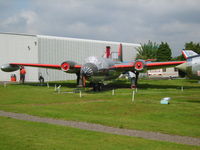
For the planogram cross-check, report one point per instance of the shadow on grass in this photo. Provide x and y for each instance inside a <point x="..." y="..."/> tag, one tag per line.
<point x="118" y="84"/>
<point x="193" y="101"/>
<point x="155" y="86"/>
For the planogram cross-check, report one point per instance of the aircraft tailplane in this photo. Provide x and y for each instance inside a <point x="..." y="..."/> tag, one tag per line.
<point x="188" y="53"/>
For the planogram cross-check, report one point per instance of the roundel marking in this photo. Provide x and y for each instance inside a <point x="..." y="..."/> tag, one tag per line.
<point x="65" y="66"/>
<point x="139" y="65"/>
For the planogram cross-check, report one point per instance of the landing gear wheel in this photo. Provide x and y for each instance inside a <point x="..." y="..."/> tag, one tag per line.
<point x="97" y="86"/>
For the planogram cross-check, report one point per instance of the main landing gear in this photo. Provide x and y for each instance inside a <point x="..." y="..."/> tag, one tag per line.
<point x="97" y="86"/>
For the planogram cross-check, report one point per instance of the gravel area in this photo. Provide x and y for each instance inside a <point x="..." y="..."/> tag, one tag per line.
<point x="101" y="128"/>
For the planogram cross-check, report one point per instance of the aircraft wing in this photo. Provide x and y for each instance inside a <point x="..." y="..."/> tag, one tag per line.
<point x="157" y="65"/>
<point x="141" y="65"/>
<point x="50" y="66"/>
<point x="69" y="67"/>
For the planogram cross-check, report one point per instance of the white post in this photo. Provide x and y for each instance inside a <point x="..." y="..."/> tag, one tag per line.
<point x="48" y="84"/>
<point x="113" y="92"/>
<point x="133" y="96"/>
<point x="4" y="84"/>
<point x="59" y="89"/>
<point x="182" y="88"/>
<point x="80" y="94"/>
<point x="135" y="90"/>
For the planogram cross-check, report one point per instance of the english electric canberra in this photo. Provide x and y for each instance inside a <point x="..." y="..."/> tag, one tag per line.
<point x="96" y="70"/>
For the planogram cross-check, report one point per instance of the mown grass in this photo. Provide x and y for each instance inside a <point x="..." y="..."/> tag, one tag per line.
<point x="180" y="117"/>
<point x="24" y="135"/>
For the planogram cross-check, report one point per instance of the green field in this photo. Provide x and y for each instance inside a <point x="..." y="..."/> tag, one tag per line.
<point x="180" y="117"/>
<point x="24" y="135"/>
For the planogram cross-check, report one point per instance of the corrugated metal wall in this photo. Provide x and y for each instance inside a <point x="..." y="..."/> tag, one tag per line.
<point x="19" y="48"/>
<point x="55" y="50"/>
<point x="22" y="48"/>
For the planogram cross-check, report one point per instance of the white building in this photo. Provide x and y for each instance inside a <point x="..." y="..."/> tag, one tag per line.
<point x="23" y="48"/>
<point x="163" y="73"/>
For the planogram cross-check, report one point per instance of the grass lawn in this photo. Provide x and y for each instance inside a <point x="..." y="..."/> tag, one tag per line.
<point x="24" y="135"/>
<point x="181" y="117"/>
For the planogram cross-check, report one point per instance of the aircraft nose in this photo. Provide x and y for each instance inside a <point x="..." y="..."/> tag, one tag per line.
<point x="182" y="67"/>
<point x="89" y="69"/>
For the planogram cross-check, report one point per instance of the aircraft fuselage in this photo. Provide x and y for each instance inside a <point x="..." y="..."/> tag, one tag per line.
<point x="97" y="69"/>
<point x="191" y="67"/>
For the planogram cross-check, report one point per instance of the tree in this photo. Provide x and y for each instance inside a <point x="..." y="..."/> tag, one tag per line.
<point x="189" y="46"/>
<point x="178" y="58"/>
<point x="164" y="52"/>
<point x="147" y="51"/>
<point x="193" y="46"/>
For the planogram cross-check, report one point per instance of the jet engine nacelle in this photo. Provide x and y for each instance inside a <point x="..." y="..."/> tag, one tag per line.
<point x="66" y="66"/>
<point x="9" y="67"/>
<point x="140" y="65"/>
<point x="181" y="74"/>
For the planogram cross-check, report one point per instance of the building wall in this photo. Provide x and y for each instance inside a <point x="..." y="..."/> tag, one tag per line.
<point x="20" y="48"/>
<point x="55" y="50"/>
<point x="17" y="49"/>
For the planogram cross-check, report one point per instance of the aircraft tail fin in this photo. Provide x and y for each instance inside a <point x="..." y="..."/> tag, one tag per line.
<point x="120" y="54"/>
<point x="188" y="53"/>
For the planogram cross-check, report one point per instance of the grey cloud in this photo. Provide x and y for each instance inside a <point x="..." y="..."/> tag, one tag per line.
<point x="127" y="20"/>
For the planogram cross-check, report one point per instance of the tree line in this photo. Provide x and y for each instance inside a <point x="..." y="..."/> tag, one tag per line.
<point x="162" y="51"/>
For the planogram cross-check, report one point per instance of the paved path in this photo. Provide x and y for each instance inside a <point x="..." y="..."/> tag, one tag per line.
<point x="106" y="129"/>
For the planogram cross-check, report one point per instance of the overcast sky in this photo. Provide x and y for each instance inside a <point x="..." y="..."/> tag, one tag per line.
<point x="135" y="21"/>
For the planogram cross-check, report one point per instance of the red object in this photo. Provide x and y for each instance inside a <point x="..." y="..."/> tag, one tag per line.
<point x="133" y="86"/>
<point x="139" y="65"/>
<point x="120" y="50"/>
<point x="184" y="55"/>
<point x="165" y="63"/>
<point x="23" y="71"/>
<point x="37" y="65"/>
<point x="149" y="65"/>
<point x="108" y="51"/>
<point x="43" y="65"/>
<point x="13" y="78"/>
<point x="65" y="66"/>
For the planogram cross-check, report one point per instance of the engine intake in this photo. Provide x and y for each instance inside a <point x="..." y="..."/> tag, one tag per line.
<point x="67" y="65"/>
<point x="140" y="65"/>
